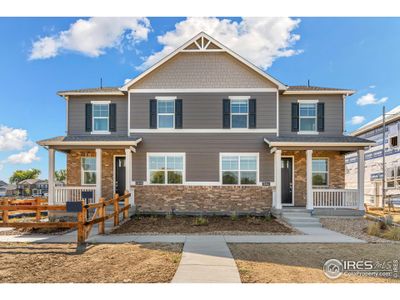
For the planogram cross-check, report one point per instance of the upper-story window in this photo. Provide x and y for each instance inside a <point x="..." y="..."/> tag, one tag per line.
<point x="239" y="113"/>
<point x="101" y="115"/>
<point x="166" y="114"/>
<point x="308" y="117"/>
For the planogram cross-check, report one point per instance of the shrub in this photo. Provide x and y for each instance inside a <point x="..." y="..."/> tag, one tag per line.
<point x="234" y="216"/>
<point x="388" y="220"/>
<point x="393" y="233"/>
<point x="200" y="221"/>
<point x="168" y="216"/>
<point x="374" y="228"/>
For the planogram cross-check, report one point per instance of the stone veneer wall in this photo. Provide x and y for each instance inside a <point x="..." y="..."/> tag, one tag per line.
<point x="74" y="168"/>
<point x="198" y="199"/>
<point x="336" y="176"/>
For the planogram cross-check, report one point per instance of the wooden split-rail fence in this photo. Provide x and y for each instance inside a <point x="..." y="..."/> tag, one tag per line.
<point x="84" y="223"/>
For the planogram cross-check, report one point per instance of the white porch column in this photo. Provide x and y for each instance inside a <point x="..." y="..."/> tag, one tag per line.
<point x="309" y="188"/>
<point x="360" y="182"/>
<point x="278" y="178"/>
<point x="51" y="176"/>
<point x="98" y="174"/>
<point x="128" y="173"/>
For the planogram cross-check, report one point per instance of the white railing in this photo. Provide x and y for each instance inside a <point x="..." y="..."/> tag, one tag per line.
<point x="335" y="198"/>
<point x="63" y="194"/>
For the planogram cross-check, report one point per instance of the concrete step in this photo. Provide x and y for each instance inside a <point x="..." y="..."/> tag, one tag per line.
<point x="294" y="209"/>
<point x="306" y="224"/>
<point x="296" y="215"/>
<point x="302" y="219"/>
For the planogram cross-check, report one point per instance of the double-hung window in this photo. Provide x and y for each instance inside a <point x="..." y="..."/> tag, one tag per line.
<point x="88" y="170"/>
<point x="101" y="115"/>
<point x="239" y="113"/>
<point x="166" y="168"/>
<point x="166" y="114"/>
<point x="239" y="168"/>
<point x="320" y="172"/>
<point x="308" y="117"/>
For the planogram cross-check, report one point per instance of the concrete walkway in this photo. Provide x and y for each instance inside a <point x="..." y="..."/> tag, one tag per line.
<point x="206" y="259"/>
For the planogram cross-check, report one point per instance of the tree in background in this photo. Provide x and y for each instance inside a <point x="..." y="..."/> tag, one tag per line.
<point x="61" y="175"/>
<point x="20" y="175"/>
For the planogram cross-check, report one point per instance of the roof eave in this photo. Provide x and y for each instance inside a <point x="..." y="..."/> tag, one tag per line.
<point x="322" y="92"/>
<point x="90" y="143"/>
<point x="318" y="144"/>
<point x="116" y="93"/>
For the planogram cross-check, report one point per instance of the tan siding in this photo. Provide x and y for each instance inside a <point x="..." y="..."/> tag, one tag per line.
<point x="204" y="111"/>
<point x="333" y="113"/>
<point x="202" y="152"/>
<point x="203" y="70"/>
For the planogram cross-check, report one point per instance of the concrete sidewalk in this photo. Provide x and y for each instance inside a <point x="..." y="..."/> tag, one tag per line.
<point x="206" y="259"/>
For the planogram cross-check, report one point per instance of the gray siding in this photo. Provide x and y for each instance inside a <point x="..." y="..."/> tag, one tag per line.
<point x="203" y="70"/>
<point x="76" y="113"/>
<point x="203" y="111"/>
<point x="202" y="152"/>
<point x="333" y="113"/>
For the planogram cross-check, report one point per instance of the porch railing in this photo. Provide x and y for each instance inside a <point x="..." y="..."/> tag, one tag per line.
<point x="63" y="194"/>
<point x="335" y="198"/>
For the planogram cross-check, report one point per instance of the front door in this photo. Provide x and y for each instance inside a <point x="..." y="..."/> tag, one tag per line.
<point x="287" y="181"/>
<point x="120" y="175"/>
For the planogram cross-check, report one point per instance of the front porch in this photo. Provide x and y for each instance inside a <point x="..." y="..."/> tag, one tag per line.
<point x="317" y="171"/>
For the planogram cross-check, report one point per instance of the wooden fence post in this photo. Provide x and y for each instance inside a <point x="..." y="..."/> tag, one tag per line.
<point x="5" y="212"/>
<point x="81" y="226"/>
<point x="126" y="203"/>
<point x="37" y="203"/>
<point x="116" y="210"/>
<point x="102" y="214"/>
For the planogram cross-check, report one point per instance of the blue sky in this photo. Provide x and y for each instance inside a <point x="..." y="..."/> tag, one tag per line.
<point x="355" y="53"/>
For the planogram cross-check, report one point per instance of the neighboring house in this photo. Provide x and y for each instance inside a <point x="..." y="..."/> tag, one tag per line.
<point x="7" y="190"/>
<point x="34" y="187"/>
<point x="204" y="130"/>
<point x="374" y="158"/>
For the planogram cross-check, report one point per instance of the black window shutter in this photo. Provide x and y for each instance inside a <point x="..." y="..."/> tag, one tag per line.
<point x="226" y="113"/>
<point x="178" y="113"/>
<point x="113" y="117"/>
<point x="88" y="117"/>
<point x="252" y="113"/>
<point x="153" y="113"/>
<point x="321" y="116"/>
<point x="295" y="117"/>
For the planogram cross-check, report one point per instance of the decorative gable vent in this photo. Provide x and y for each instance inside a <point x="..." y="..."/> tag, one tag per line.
<point x="202" y="44"/>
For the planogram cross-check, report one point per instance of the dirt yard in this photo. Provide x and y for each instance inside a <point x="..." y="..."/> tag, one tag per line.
<point x="215" y="225"/>
<point x="59" y="263"/>
<point x="302" y="263"/>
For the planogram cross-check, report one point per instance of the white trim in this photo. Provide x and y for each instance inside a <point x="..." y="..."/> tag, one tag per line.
<point x="227" y="130"/>
<point x="165" y="98"/>
<point x="90" y="143"/>
<point x="148" y="154"/>
<point x="294" y="92"/>
<point x="256" y="154"/>
<point x="66" y="114"/>
<point x="100" y="102"/>
<point x="82" y="172"/>
<point x="327" y="172"/>
<point x="114" y="165"/>
<point x="309" y="187"/>
<point x="239" y="97"/>
<point x="308" y="132"/>
<point x="308" y="101"/>
<point x="204" y="90"/>
<point x="293" y="190"/>
<point x="239" y="114"/>
<point x="277" y="113"/>
<point x="100" y="132"/>
<point x="218" y="44"/>
<point x="344" y="114"/>
<point x="100" y="93"/>
<point x="129" y="114"/>
<point x="296" y="144"/>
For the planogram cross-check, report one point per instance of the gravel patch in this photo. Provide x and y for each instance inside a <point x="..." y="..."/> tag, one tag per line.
<point x="352" y="226"/>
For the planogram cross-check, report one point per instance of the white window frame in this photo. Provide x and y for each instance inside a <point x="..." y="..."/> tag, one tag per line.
<point x="161" y="99"/>
<point x="165" y="154"/>
<point x="315" y="102"/>
<point x="327" y="171"/>
<point x="256" y="154"/>
<point x="239" y="98"/>
<point x="83" y="171"/>
<point x="108" y="118"/>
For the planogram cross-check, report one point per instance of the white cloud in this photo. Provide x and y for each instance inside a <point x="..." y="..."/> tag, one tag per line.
<point x="370" y="99"/>
<point x="127" y="80"/>
<point x="92" y="37"/>
<point x="260" y="40"/>
<point x="13" y="138"/>
<point x="357" y="120"/>
<point x="372" y="86"/>
<point x="24" y="157"/>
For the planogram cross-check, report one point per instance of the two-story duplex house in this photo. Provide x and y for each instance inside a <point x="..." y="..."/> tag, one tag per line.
<point x="204" y="130"/>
